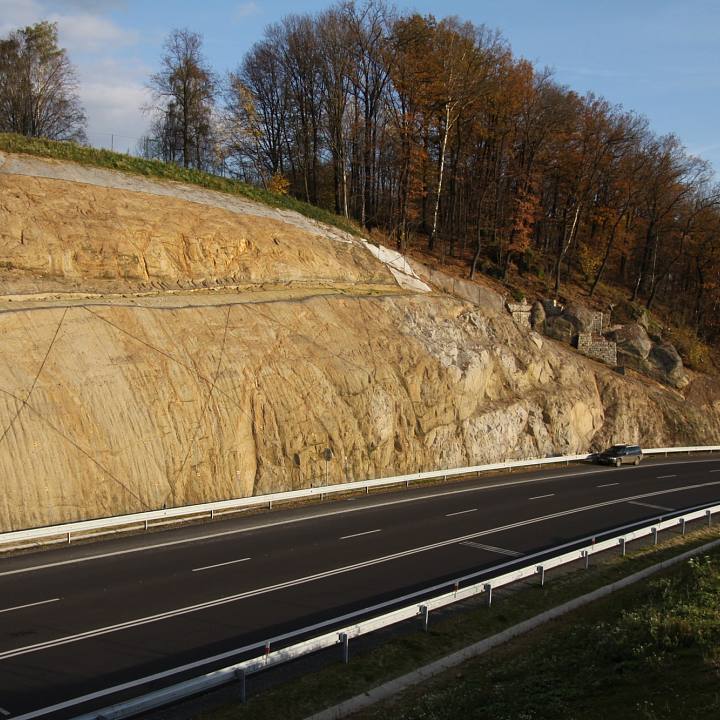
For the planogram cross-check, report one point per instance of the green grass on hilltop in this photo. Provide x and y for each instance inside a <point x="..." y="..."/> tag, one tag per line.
<point x="41" y="147"/>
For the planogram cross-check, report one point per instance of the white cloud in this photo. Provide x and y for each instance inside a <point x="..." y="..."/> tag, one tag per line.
<point x="112" y="87"/>
<point x="18" y="13"/>
<point x="91" y="33"/>
<point x="247" y="9"/>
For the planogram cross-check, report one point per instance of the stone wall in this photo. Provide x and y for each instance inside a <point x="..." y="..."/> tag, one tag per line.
<point x="596" y="346"/>
<point x="596" y="324"/>
<point x="521" y="314"/>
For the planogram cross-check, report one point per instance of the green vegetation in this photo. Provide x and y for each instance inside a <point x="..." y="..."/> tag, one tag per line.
<point x="41" y="147"/>
<point x="633" y="653"/>
<point x="653" y="652"/>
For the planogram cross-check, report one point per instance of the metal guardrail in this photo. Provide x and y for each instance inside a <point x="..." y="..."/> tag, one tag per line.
<point x="341" y="634"/>
<point x="87" y="528"/>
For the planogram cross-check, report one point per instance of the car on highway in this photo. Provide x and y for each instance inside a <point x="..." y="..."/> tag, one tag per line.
<point x="620" y="455"/>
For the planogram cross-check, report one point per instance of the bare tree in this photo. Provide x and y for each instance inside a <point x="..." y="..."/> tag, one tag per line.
<point x="184" y="91"/>
<point x="38" y="86"/>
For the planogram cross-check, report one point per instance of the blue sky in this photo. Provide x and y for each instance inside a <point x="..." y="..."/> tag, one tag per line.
<point x="660" y="58"/>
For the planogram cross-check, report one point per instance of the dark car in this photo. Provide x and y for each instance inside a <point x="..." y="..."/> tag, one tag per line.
<point x="620" y="455"/>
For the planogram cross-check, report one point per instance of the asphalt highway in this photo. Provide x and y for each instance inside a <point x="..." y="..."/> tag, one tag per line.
<point x="84" y="621"/>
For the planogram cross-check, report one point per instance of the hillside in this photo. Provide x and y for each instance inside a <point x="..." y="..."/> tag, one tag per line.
<point x="164" y="344"/>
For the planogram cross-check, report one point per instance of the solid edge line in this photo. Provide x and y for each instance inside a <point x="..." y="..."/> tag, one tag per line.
<point x="223" y="564"/>
<point x="394" y="687"/>
<point x="317" y="516"/>
<point x="28" y="605"/>
<point x="216" y="602"/>
<point x="232" y="653"/>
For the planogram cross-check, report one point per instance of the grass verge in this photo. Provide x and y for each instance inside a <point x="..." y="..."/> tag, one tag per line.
<point x="40" y="147"/>
<point x="593" y="659"/>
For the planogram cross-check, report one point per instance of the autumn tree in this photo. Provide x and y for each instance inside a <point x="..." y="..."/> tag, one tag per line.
<point x="184" y="92"/>
<point x="39" y="86"/>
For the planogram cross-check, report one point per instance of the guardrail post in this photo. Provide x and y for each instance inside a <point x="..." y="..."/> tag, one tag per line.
<point x="622" y="547"/>
<point x="708" y="513"/>
<point x="345" y="647"/>
<point x="270" y="503"/>
<point x="655" y="535"/>
<point x="212" y="513"/>
<point x="682" y="526"/>
<point x="541" y="571"/>
<point x="240" y="677"/>
<point x="457" y="586"/>
<point x="267" y="650"/>
<point x="586" y="557"/>
<point x="488" y="592"/>
<point x="146" y="525"/>
<point x="425" y="612"/>
<point x="68" y="538"/>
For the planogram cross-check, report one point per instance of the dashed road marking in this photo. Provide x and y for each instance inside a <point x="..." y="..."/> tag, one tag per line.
<point x="216" y="602"/>
<point x="27" y="605"/>
<point x="491" y="548"/>
<point x="461" y="512"/>
<point x="540" y="497"/>
<point x="607" y="485"/>
<point x="367" y="532"/>
<point x="217" y="565"/>
<point x="662" y="477"/>
<point x="5" y="712"/>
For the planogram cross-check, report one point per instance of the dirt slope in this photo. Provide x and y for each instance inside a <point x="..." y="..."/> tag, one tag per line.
<point x="156" y="349"/>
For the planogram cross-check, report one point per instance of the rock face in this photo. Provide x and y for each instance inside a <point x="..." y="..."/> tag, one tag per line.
<point x="112" y="404"/>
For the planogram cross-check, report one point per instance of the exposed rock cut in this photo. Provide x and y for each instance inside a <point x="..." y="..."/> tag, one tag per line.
<point x="112" y="404"/>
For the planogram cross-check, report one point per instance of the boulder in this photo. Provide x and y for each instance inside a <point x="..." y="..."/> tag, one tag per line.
<point x="668" y="363"/>
<point x="580" y="316"/>
<point x="632" y="339"/>
<point x="552" y="308"/>
<point x="537" y="317"/>
<point x="559" y="328"/>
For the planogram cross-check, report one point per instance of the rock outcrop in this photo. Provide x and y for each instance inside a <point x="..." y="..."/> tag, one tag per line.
<point x="119" y="395"/>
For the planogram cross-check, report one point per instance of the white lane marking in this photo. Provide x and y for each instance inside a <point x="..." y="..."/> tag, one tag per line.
<point x="367" y="532"/>
<point x="462" y="512"/>
<point x="4" y="712"/>
<point x="217" y="565"/>
<point x="607" y="485"/>
<point x="662" y="477"/>
<point x="492" y="548"/>
<point x="316" y="516"/>
<point x="35" y="604"/>
<point x="328" y="573"/>
<point x="715" y="471"/>
<point x="540" y="497"/>
<point x="650" y="505"/>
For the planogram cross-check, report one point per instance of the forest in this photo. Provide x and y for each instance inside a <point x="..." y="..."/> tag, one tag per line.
<point x="433" y="133"/>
